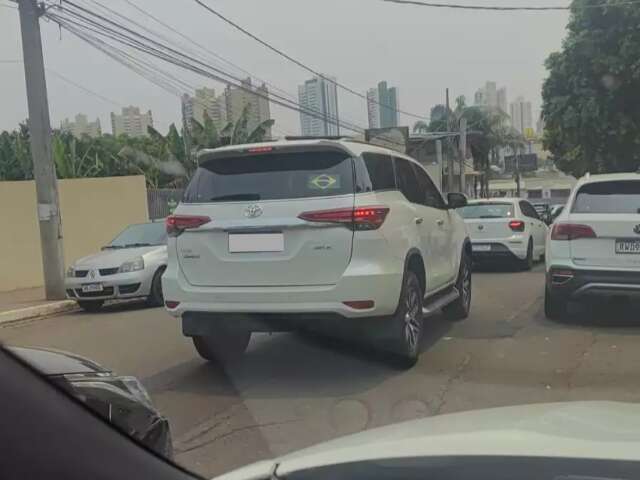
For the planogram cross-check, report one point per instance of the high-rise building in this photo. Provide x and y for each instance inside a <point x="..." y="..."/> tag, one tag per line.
<point x="521" y="115"/>
<point x="503" y="102"/>
<point x="81" y="126"/>
<point x="319" y="97"/>
<point x="204" y="102"/>
<point x="491" y="96"/>
<point x="373" y="108"/>
<point x="257" y="98"/>
<point x="388" y="105"/>
<point x="131" y="122"/>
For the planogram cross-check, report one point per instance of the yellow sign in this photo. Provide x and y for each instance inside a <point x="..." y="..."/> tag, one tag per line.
<point x="529" y="133"/>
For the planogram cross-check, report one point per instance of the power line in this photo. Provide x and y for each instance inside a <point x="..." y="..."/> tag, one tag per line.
<point x="70" y="25"/>
<point x="507" y="9"/>
<point x="70" y="82"/>
<point x="299" y="63"/>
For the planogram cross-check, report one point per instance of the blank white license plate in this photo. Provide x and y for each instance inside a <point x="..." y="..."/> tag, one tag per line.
<point x="628" y="246"/>
<point x="481" y="248"/>
<point x="256" y="242"/>
<point x="92" y="287"/>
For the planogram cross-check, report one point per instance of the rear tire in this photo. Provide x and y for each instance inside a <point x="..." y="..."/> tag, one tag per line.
<point x="459" y="310"/>
<point x="91" y="306"/>
<point x="155" y="298"/>
<point x="406" y="328"/>
<point x="527" y="263"/>
<point x="554" y="308"/>
<point x="223" y="347"/>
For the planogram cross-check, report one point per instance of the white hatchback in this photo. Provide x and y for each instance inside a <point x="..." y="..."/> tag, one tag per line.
<point x="594" y="245"/>
<point x="299" y="234"/>
<point x="505" y="229"/>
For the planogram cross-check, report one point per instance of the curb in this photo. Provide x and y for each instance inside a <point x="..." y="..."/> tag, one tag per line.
<point x="37" y="311"/>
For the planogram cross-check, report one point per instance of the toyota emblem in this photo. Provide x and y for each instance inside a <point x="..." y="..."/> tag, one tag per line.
<point x="480" y="227"/>
<point x="253" y="211"/>
<point x="636" y="229"/>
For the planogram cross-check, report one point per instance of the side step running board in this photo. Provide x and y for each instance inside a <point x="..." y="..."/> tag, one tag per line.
<point x="440" y="301"/>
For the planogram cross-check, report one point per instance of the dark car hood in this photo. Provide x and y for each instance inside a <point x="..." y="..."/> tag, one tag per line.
<point x="54" y="362"/>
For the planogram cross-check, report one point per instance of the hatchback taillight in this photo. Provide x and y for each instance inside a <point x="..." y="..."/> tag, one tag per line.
<point x="176" y="224"/>
<point x="571" y="231"/>
<point x="516" y="225"/>
<point x="359" y="218"/>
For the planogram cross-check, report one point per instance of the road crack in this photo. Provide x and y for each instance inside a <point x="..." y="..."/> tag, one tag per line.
<point x="441" y="398"/>
<point x="228" y="433"/>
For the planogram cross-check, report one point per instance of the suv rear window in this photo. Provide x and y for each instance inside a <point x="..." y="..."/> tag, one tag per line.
<point x="608" y="197"/>
<point x="271" y="176"/>
<point x="487" y="210"/>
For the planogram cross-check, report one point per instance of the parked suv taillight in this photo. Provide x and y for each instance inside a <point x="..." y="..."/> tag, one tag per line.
<point x="359" y="218"/>
<point x="176" y="224"/>
<point x="516" y="225"/>
<point x="571" y="231"/>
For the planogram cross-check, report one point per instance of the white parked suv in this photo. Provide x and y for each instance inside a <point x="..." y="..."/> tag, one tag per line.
<point x="298" y="234"/>
<point x="594" y="246"/>
<point x="505" y="229"/>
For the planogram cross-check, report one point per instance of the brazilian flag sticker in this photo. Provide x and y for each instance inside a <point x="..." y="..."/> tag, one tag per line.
<point x="323" y="182"/>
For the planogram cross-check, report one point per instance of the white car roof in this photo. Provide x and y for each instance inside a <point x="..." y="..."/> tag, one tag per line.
<point x="354" y="146"/>
<point x="608" y="177"/>
<point x="496" y="200"/>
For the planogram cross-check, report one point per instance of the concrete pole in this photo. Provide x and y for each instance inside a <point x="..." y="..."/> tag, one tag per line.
<point x="463" y="154"/>
<point x="450" y="160"/>
<point x="439" y="160"/>
<point x="43" y="167"/>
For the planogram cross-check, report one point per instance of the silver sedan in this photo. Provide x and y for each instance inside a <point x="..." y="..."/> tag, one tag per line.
<point x="130" y="266"/>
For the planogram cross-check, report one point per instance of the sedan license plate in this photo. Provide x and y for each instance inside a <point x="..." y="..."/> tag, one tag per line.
<point x="628" y="246"/>
<point x="92" y="287"/>
<point x="256" y="242"/>
<point x="481" y="248"/>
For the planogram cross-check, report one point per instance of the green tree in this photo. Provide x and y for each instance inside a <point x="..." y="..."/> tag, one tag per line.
<point x="592" y="93"/>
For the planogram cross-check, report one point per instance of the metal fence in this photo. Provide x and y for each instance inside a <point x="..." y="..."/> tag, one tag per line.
<point x="163" y="201"/>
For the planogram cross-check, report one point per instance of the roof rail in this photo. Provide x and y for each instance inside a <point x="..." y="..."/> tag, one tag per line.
<point x="314" y="137"/>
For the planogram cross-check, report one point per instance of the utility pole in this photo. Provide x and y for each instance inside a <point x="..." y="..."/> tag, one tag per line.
<point x="44" y="171"/>
<point x="463" y="153"/>
<point x="518" y="155"/>
<point x="450" y="174"/>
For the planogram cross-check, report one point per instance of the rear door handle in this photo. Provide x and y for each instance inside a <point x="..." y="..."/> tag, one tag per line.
<point x="440" y="222"/>
<point x="418" y="220"/>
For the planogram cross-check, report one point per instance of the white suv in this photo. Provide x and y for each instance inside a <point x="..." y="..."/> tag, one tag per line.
<point x="594" y="245"/>
<point x="299" y="234"/>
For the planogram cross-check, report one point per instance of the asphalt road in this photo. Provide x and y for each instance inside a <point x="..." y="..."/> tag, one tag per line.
<point x="292" y="391"/>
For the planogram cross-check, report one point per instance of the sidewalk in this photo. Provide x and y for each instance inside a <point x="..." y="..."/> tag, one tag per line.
<point x="30" y="303"/>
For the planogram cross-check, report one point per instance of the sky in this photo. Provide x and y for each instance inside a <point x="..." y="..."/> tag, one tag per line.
<point x="422" y="51"/>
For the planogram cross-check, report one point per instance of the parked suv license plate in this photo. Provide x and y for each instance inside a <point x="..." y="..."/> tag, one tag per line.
<point x="256" y="242"/>
<point x="628" y="246"/>
<point x="92" y="287"/>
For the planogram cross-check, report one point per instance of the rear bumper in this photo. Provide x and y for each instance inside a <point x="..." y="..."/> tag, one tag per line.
<point x="302" y="303"/>
<point x="569" y="283"/>
<point x="505" y="250"/>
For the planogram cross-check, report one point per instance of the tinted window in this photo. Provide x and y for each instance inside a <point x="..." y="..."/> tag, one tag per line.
<point x="380" y="170"/>
<point x="428" y="191"/>
<point x="407" y="181"/>
<point x="487" y="210"/>
<point x="608" y="197"/>
<point x="528" y="210"/>
<point x="144" y="233"/>
<point x="271" y="176"/>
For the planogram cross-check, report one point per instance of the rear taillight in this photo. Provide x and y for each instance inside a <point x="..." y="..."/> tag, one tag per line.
<point x="176" y="224"/>
<point x="360" y="218"/>
<point x="571" y="231"/>
<point x="516" y="225"/>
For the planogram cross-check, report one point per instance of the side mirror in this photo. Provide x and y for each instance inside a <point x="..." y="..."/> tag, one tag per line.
<point x="456" y="200"/>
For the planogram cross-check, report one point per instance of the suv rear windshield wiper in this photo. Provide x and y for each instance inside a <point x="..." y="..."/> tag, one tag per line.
<point x="131" y="245"/>
<point x="236" y="196"/>
<point x="112" y="247"/>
